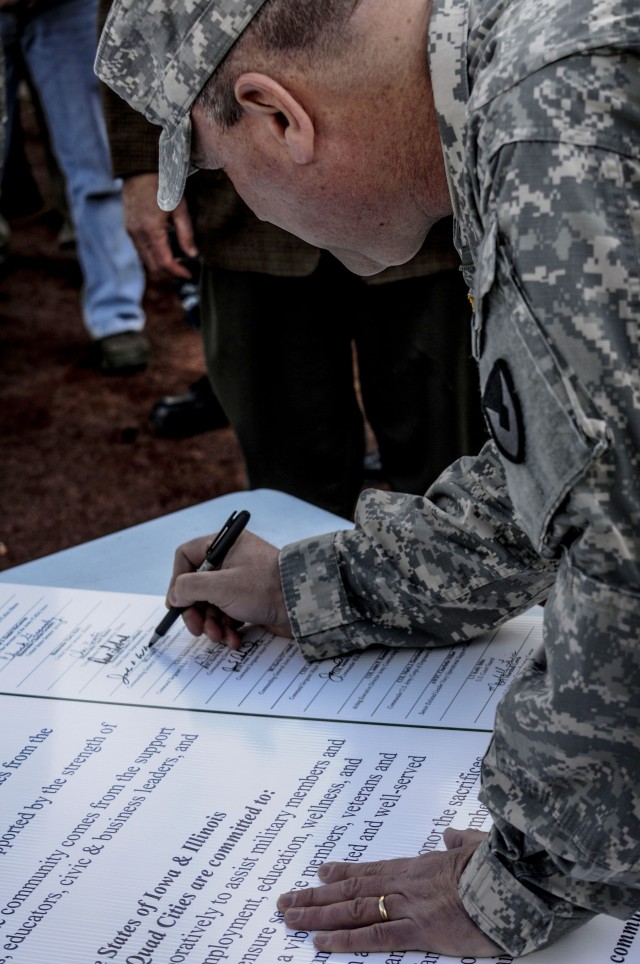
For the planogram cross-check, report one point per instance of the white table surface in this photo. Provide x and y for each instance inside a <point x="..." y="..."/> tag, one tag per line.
<point x="140" y="559"/>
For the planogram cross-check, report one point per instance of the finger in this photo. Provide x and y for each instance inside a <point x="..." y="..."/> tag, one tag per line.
<point x="348" y="889"/>
<point x="193" y="587"/>
<point x="439" y="930"/>
<point x="231" y="637"/>
<point x="454" y="839"/>
<point x="361" y="912"/>
<point x="194" y="620"/>
<point x="221" y="629"/>
<point x="189" y="555"/>
<point x="336" y="870"/>
<point x="208" y="621"/>
<point x="146" y="251"/>
<point x="388" y="936"/>
<point x="149" y="234"/>
<point x="222" y="588"/>
<point x="161" y="256"/>
<point x="184" y="229"/>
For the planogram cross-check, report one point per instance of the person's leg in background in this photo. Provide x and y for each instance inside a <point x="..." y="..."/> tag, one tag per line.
<point x="279" y="356"/>
<point x="196" y="409"/>
<point x="10" y="32"/>
<point x="4" y="126"/>
<point x="418" y="380"/>
<point x="58" y="47"/>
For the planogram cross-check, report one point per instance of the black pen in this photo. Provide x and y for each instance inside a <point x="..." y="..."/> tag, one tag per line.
<point x="213" y="559"/>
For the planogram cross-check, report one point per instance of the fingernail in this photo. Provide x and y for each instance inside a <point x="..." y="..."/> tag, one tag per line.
<point x="321" y="940"/>
<point x="292" y="916"/>
<point x="324" y="871"/>
<point x="284" y="901"/>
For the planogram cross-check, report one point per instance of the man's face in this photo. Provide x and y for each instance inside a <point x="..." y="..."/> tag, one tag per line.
<point x="353" y="200"/>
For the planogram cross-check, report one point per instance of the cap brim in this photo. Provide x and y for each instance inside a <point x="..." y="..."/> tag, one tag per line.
<point x="174" y="164"/>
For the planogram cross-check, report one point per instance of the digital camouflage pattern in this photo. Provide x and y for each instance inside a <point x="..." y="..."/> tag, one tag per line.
<point x="158" y="55"/>
<point x="539" y="107"/>
<point x="539" y="104"/>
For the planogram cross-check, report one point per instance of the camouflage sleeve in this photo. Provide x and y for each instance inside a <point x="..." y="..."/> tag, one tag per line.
<point x="559" y="288"/>
<point x="416" y="571"/>
<point x="558" y="309"/>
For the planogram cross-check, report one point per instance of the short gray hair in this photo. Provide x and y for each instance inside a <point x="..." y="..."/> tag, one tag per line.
<point x="303" y="28"/>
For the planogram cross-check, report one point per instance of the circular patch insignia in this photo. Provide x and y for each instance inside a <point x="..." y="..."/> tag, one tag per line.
<point x="503" y="413"/>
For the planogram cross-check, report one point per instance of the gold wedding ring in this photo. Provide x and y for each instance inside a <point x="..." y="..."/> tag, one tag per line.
<point x="382" y="908"/>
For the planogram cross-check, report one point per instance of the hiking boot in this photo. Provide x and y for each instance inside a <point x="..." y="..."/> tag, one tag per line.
<point x="124" y="353"/>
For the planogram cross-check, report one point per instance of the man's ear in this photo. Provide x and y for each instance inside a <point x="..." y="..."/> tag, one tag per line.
<point x="284" y="117"/>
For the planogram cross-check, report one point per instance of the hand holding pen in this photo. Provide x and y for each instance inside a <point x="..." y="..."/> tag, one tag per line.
<point x="214" y="557"/>
<point x="246" y="589"/>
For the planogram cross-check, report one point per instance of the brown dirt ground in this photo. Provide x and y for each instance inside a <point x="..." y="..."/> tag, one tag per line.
<point x="77" y="459"/>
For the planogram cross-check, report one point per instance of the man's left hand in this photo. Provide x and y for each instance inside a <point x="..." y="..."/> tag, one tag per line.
<point x="420" y="897"/>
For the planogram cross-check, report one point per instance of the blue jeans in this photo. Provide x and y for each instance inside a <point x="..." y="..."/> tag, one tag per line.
<point x="58" y="47"/>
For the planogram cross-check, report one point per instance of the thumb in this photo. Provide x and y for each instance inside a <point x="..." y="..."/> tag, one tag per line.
<point x="184" y="229"/>
<point x="454" y="839"/>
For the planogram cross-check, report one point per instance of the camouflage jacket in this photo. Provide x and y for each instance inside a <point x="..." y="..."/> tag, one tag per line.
<point x="539" y="111"/>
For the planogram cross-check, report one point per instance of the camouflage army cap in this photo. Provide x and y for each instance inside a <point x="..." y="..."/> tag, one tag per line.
<point x="158" y="55"/>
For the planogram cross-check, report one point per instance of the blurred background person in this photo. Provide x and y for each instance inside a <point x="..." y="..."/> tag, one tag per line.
<point x="299" y="351"/>
<point x="4" y="227"/>
<point x="55" y="40"/>
<point x="294" y="358"/>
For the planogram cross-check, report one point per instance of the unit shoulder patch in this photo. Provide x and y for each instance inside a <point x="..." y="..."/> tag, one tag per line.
<point x="502" y="409"/>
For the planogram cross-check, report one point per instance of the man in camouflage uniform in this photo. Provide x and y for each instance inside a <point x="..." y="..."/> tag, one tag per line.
<point x="534" y="105"/>
<point x="271" y="302"/>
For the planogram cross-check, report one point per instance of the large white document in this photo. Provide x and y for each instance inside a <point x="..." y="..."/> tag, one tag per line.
<point x="153" y="805"/>
<point x="143" y="835"/>
<point x="90" y="645"/>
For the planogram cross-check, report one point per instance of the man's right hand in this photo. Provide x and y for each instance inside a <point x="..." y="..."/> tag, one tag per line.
<point x="149" y="226"/>
<point x="247" y="589"/>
